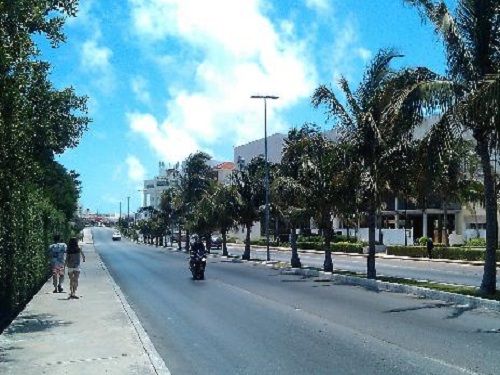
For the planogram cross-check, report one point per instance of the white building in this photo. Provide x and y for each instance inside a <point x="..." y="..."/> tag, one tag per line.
<point x="154" y="188"/>
<point x="169" y="177"/>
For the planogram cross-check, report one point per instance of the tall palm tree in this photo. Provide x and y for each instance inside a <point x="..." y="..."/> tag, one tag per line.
<point x="317" y="175"/>
<point x="289" y="194"/>
<point x="471" y="39"/>
<point x="377" y="121"/>
<point x="249" y="182"/>
<point x="227" y="205"/>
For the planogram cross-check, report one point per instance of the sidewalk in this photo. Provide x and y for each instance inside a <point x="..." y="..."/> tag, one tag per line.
<point x="97" y="334"/>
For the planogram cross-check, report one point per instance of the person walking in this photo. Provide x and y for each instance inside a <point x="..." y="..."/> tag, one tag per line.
<point x="74" y="253"/>
<point x="430" y="246"/>
<point x="57" y="252"/>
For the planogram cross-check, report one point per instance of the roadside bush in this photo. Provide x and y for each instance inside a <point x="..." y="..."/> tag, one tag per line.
<point x="478" y="242"/>
<point x="343" y="238"/>
<point x="453" y="253"/>
<point x="422" y="241"/>
<point x="310" y="239"/>
<point x="27" y="223"/>
<point x="347" y="247"/>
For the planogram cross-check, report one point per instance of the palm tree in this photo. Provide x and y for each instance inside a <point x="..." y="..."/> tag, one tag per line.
<point x="194" y="183"/>
<point x="249" y="182"/>
<point x="227" y="204"/>
<point x="288" y="194"/>
<point x="377" y="119"/>
<point x="469" y="97"/>
<point x="318" y="178"/>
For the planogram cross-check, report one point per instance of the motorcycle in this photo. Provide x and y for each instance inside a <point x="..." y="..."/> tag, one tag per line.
<point x="197" y="266"/>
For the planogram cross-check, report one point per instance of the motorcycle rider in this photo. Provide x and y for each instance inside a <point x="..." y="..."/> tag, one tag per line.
<point x="197" y="250"/>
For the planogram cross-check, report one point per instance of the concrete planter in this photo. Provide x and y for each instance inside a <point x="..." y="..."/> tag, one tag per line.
<point x="378" y="249"/>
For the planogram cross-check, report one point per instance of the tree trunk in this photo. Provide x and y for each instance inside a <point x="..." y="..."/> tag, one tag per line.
<point x="488" y="284"/>
<point x="328" y="264"/>
<point x="445" y="223"/>
<point x="295" y="261"/>
<point x="224" y="244"/>
<point x="380" y="235"/>
<point x="209" y="242"/>
<point x="186" y="243"/>
<point x="474" y="212"/>
<point x="179" y="238"/>
<point x="371" y="272"/>
<point x="246" y="253"/>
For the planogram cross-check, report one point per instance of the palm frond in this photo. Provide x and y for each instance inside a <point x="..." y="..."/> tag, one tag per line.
<point x="479" y="25"/>
<point x="351" y="100"/>
<point x="375" y="75"/>
<point x="460" y="58"/>
<point x="325" y="96"/>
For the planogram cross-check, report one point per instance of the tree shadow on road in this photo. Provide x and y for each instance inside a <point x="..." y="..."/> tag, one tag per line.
<point x="459" y="310"/>
<point x="435" y="305"/>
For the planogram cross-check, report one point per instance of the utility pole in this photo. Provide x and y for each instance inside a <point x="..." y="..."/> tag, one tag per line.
<point x="120" y="216"/>
<point x="128" y="210"/>
<point x="265" y="97"/>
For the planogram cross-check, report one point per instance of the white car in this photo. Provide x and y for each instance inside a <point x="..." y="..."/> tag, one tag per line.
<point x="116" y="236"/>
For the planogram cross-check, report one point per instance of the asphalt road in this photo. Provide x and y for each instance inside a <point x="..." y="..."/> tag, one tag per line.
<point x="246" y="319"/>
<point x="463" y="274"/>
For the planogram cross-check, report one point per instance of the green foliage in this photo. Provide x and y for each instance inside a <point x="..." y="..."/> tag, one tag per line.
<point x="38" y="196"/>
<point x="453" y="253"/>
<point x="422" y="241"/>
<point x="479" y="242"/>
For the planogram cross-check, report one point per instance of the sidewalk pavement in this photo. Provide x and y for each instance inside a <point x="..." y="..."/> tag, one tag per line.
<point x="378" y="255"/>
<point x="96" y="334"/>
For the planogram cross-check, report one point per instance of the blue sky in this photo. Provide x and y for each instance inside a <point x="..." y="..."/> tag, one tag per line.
<point x="168" y="77"/>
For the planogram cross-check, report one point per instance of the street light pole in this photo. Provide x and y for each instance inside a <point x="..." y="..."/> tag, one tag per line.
<point x="265" y="97"/>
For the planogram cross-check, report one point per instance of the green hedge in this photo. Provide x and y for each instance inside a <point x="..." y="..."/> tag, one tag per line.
<point x="453" y="253"/>
<point x="27" y="223"/>
<point x="345" y="247"/>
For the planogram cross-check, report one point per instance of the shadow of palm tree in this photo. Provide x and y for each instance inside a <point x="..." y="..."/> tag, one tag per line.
<point x="436" y="305"/>
<point x="459" y="310"/>
<point x="34" y="323"/>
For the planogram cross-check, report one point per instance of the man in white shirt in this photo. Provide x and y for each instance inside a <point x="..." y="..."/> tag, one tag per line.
<point x="57" y="254"/>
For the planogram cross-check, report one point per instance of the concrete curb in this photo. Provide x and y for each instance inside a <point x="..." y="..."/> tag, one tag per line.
<point x="156" y="361"/>
<point x="376" y="285"/>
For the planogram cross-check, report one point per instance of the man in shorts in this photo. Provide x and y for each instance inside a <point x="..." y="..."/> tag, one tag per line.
<point x="57" y="253"/>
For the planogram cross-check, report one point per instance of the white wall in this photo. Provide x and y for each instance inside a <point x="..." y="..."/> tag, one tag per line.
<point x="241" y="232"/>
<point x="391" y="236"/>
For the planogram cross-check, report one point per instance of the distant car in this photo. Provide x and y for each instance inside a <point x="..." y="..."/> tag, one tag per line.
<point x="116" y="236"/>
<point x="216" y="241"/>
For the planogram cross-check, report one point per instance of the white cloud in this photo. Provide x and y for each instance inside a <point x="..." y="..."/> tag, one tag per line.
<point x="95" y="60"/>
<point x="346" y="50"/>
<point x="238" y="52"/>
<point x="136" y="171"/>
<point x="140" y="89"/>
<point x="171" y="143"/>
<point x="364" y="54"/>
<point x="319" y="5"/>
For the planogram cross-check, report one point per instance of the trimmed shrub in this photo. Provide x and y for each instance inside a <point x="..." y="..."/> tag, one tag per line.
<point x="347" y="247"/>
<point x="342" y="238"/>
<point x="453" y="253"/>
<point x="479" y="242"/>
<point x="422" y="241"/>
